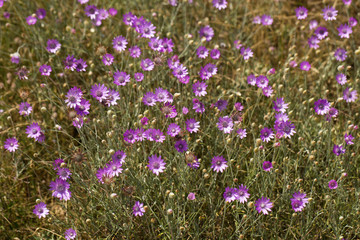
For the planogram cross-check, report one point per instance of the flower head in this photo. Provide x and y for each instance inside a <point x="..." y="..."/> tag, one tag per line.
<point x="173" y="129"/>
<point x="45" y="70"/>
<point x="280" y="105"/>
<point x="218" y="163"/>
<point x="25" y="109"/>
<point x="242" y="193"/>
<point x="207" y="32"/>
<point x="322" y="106"/>
<point x="31" y="20"/>
<point x="344" y="31"/>
<point x="70" y="234"/>
<point x="11" y="144"/>
<point x="329" y="13"/>
<point x="119" y="43"/>
<point x="138" y="209"/>
<point x="41" y="210"/>
<point x="263" y="205"/>
<point x="299" y="201"/>
<point x="338" y="149"/>
<point x="33" y="130"/>
<point x="99" y="92"/>
<point x="225" y="124"/>
<point x="60" y="189"/>
<point x="333" y="184"/>
<point x="266" y="134"/>
<point x="267" y="166"/>
<point x="53" y="45"/>
<point x="340" y="54"/>
<point x="301" y="13"/>
<point x="192" y="125"/>
<point x="121" y="78"/>
<point x="108" y="59"/>
<point x="230" y="194"/>
<point x="220" y="4"/>
<point x="181" y="146"/>
<point x="305" y="66"/>
<point x="349" y="96"/>
<point x="156" y="164"/>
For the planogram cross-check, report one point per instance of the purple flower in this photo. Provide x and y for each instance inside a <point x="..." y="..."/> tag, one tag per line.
<point x="91" y="11"/>
<point x="202" y="52"/>
<point x="156" y="164"/>
<point x="348" y="139"/>
<point x="257" y="20"/>
<point x="61" y="189"/>
<point x="215" y="54"/>
<point x="181" y="146"/>
<point x="266" y="20"/>
<point x="140" y="135"/>
<point x="353" y="22"/>
<point x="313" y="24"/>
<point x="70" y="62"/>
<point x="299" y="201"/>
<point x="293" y="64"/>
<point x="157" y="135"/>
<point x="119" y="43"/>
<point x="199" y="89"/>
<point x="121" y="78"/>
<point x="341" y="78"/>
<point x="237" y="43"/>
<point x="33" y="130"/>
<point x="207" y="32"/>
<point x="83" y="1"/>
<point x="192" y="125"/>
<point x="218" y="163"/>
<point x="322" y="106"/>
<point x="301" y="13"/>
<point x="266" y="134"/>
<point x="31" y="20"/>
<point x="225" y="124"/>
<point x="344" y="31"/>
<point x="169" y="110"/>
<point x="281" y="117"/>
<point x="305" y="66"/>
<point x="147" y="29"/>
<point x="129" y="136"/>
<point x="25" y="109"/>
<point x="40" y="13"/>
<point x="263" y="205"/>
<point x="41" y="210"/>
<point x="191" y="196"/>
<point x="313" y="42"/>
<point x="285" y="128"/>
<point x="247" y="53"/>
<point x="135" y="51"/>
<point x="329" y="13"/>
<point x="208" y="71"/>
<point x="99" y="92"/>
<point x="280" y="105"/>
<point x="139" y="77"/>
<point x="70" y="234"/>
<point x="128" y="18"/>
<point x="15" y="58"/>
<point x="108" y="59"/>
<point x="57" y="163"/>
<point x="173" y="129"/>
<point x="162" y="95"/>
<point x="80" y="65"/>
<point x="180" y="71"/>
<point x="112" y="97"/>
<point x="103" y="14"/>
<point x="144" y="121"/>
<point x="53" y="45"/>
<point x="221" y="104"/>
<point x="347" y="2"/>
<point x="138" y="209"/>
<point x="230" y="194"/>
<point x="185" y="110"/>
<point x="114" y="168"/>
<point x="333" y="184"/>
<point x="262" y="81"/>
<point x="267" y="91"/>
<point x="83" y="107"/>
<point x="349" y="96"/>
<point x="267" y="166"/>
<point x="242" y="193"/>
<point x="63" y="173"/>
<point x="251" y="80"/>
<point x="198" y="106"/>
<point x="167" y="45"/>
<point x="241" y="133"/>
<point x="149" y="99"/>
<point x="73" y="97"/>
<point x="11" y="144"/>
<point x="45" y="70"/>
<point x="340" y="54"/>
<point x="78" y="122"/>
<point x="321" y="32"/>
<point x="147" y="64"/>
<point x="155" y="44"/>
<point x="119" y="156"/>
<point x="338" y="149"/>
<point x="220" y="4"/>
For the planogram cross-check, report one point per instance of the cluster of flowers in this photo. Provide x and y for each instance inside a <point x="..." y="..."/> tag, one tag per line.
<point x="265" y="20"/>
<point x="98" y="15"/>
<point x="70" y="62"/>
<point x="112" y="168"/>
<point x="40" y="14"/>
<point x="261" y="82"/>
<point x="60" y="186"/>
